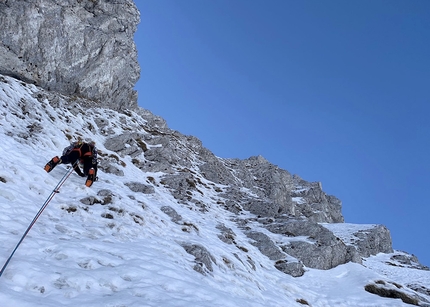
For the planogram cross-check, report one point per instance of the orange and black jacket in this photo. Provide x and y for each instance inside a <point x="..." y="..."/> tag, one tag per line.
<point x="80" y="152"/>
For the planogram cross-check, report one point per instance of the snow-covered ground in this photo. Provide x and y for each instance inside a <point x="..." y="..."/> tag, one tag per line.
<point x="128" y="252"/>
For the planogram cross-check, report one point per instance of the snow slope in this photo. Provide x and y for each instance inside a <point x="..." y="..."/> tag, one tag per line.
<point x="124" y="250"/>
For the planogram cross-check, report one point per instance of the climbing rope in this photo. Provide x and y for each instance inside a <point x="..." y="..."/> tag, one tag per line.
<point x="55" y="191"/>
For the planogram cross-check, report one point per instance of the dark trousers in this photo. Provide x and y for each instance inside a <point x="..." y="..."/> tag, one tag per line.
<point x="73" y="156"/>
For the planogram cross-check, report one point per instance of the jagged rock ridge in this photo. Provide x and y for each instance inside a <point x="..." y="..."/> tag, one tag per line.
<point x="279" y="202"/>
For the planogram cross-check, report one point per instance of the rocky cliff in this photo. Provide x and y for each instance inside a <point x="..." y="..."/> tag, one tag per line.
<point x="83" y="48"/>
<point x="264" y="199"/>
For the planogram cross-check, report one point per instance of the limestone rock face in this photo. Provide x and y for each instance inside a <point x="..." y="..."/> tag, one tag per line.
<point x="373" y="241"/>
<point x="83" y="48"/>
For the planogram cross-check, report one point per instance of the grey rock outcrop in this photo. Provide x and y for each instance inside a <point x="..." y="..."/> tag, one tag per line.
<point x="277" y="191"/>
<point x="138" y="187"/>
<point x="404" y="259"/>
<point x="83" y="48"/>
<point x="373" y="241"/>
<point x="330" y="250"/>
<point x="265" y="245"/>
<point x="393" y="290"/>
<point x="203" y="258"/>
<point x="174" y="216"/>
<point x="314" y="204"/>
<point x="268" y="248"/>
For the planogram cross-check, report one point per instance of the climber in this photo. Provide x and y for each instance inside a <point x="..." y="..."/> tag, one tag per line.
<point x="78" y="152"/>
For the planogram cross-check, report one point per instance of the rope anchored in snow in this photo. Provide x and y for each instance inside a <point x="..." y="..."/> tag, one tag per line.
<point x="55" y="191"/>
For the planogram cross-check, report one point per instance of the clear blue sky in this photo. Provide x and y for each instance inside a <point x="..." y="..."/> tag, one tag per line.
<point x="333" y="91"/>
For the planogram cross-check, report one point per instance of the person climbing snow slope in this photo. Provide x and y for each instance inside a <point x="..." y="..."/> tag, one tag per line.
<point x="78" y="152"/>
